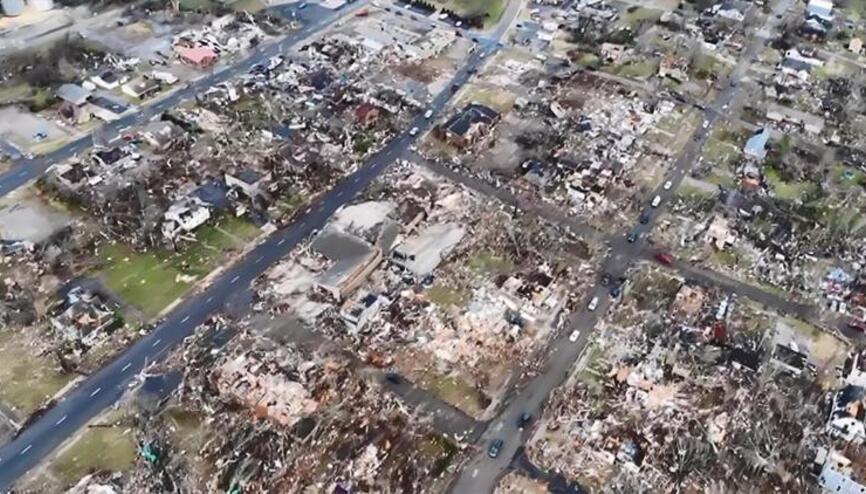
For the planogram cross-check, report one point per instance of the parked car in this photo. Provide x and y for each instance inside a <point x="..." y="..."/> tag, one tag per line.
<point x="494" y="448"/>
<point x="644" y="217"/>
<point x="664" y="258"/>
<point x="668" y="185"/>
<point x="593" y="304"/>
<point x="632" y="237"/>
<point x="414" y="131"/>
<point x="428" y="114"/>
<point x="605" y="279"/>
<point x="857" y="325"/>
<point x="524" y="419"/>
<point x="574" y="336"/>
<point x="656" y="201"/>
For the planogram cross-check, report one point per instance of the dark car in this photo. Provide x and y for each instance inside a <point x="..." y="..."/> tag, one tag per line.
<point x="616" y="291"/>
<point x="632" y="237"/>
<point x="664" y="258"/>
<point x="524" y="419"/>
<point x="644" y="217"/>
<point x="605" y="279"/>
<point x="857" y="325"/>
<point x="494" y="448"/>
<point x="392" y="377"/>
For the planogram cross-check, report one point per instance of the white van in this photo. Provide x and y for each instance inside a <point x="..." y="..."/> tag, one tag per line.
<point x="656" y="201"/>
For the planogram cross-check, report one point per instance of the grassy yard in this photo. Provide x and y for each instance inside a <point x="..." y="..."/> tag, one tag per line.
<point x="721" y="147"/>
<point x="153" y="280"/>
<point x="111" y="448"/>
<point x="634" y="16"/>
<point x="486" y="262"/>
<point x="636" y="69"/>
<point x="26" y="379"/>
<point x="455" y="391"/>
<point x="490" y="9"/>
<point x="446" y="296"/>
<point x="787" y="191"/>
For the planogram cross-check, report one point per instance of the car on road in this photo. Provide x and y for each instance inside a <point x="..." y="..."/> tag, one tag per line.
<point x="414" y="131"/>
<point x="632" y="237"/>
<point x="574" y="336"/>
<point x="644" y="217"/>
<point x="615" y="291"/>
<point x="494" y="448"/>
<point x="706" y="124"/>
<point x="524" y="419"/>
<point x="668" y="185"/>
<point x="664" y="258"/>
<point x="392" y="377"/>
<point x="656" y="201"/>
<point x="857" y="325"/>
<point x="605" y="279"/>
<point x="593" y="304"/>
<point x="428" y="114"/>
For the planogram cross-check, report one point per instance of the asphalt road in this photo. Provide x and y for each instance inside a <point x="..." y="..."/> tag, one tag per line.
<point x="27" y="169"/>
<point x="482" y="472"/>
<point x="107" y="385"/>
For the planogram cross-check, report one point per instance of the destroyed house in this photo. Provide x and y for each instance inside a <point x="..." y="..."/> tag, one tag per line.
<point x="358" y="313"/>
<point x="469" y="125"/>
<point x="422" y="253"/>
<point x="184" y="216"/>
<point x="250" y="182"/>
<point x="83" y="316"/>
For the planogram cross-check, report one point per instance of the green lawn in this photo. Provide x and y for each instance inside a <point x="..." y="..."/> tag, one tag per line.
<point x="636" y="69"/>
<point x="110" y="448"/>
<point x="491" y="9"/>
<point x="486" y="262"/>
<point x="27" y="380"/>
<point x="787" y="191"/>
<point x="634" y="16"/>
<point x="455" y="391"/>
<point x="153" y="280"/>
<point x="445" y="296"/>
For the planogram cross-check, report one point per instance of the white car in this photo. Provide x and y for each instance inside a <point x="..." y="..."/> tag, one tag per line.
<point x="574" y="335"/>
<point x="668" y="185"/>
<point x="414" y="131"/>
<point x="593" y="304"/>
<point x="656" y="201"/>
<point x="706" y="124"/>
<point x="428" y="114"/>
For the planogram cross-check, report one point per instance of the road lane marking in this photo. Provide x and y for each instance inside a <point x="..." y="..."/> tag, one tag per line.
<point x="127" y="366"/>
<point x="235" y="279"/>
<point x="25" y="450"/>
<point x="62" y="419"/>
<point x="281" y="242"/>
<point x="357" y="179"/>
<point x="185" y="319"/>
<point x="209" y="300"/>
<point x="157" y="342"/>
<point x="95" y="392"/>
<point x="339" y="193"/>
<point x="260" y="259"/>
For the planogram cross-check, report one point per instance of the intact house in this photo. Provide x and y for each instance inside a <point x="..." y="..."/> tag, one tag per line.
<point x="756" y="146"/>
<point x="470" y="125"/>
<point x="74" y="107"/>
<point x="84" y="316"/>
<point x="184" y="216"/>
<point x="200" y="57"/>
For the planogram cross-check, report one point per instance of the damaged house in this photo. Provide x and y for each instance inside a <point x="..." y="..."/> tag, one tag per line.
<point x="84" y="316"/>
